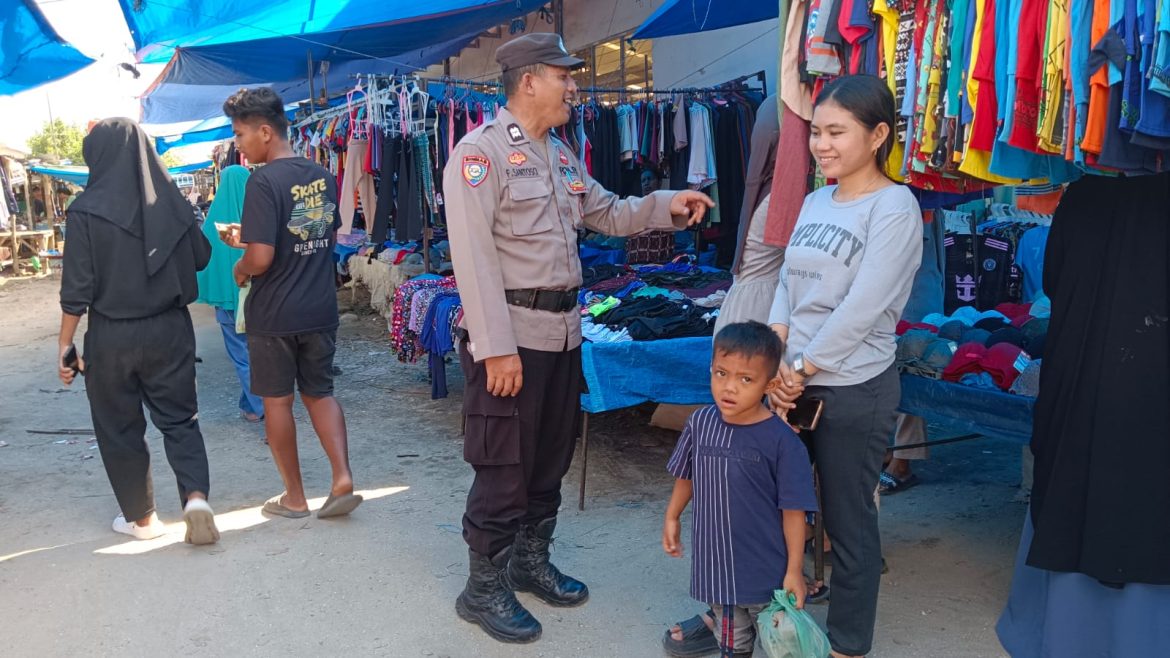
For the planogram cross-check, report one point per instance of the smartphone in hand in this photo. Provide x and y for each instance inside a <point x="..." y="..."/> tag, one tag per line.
<point x="807" y="414"/>
<point x="70" y="359"/>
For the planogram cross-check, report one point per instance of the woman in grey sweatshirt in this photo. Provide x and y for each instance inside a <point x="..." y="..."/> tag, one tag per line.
<point x="847" y="275"/>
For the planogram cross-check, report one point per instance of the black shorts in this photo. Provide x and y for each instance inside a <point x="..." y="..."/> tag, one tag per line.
<point x="278" y="361"/>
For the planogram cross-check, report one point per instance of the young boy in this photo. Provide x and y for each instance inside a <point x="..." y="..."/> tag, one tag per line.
<point x="751" y="480"/>
<point x="288" y="225"/>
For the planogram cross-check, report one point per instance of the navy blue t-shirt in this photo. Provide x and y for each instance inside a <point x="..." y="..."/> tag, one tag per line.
<point x="743" y="476"/>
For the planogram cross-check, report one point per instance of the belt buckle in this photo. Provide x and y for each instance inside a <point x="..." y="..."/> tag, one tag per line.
<point x="532" y="295"/>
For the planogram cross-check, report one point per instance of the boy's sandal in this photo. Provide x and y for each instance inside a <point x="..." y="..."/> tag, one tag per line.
<point x="888" y="484"/>
<point x="697" y="638"/>
<point x="821" y="596"/>
<point x="808" y="549"/>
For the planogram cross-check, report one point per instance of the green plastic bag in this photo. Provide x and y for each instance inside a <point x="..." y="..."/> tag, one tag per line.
<point x="241" y="325"/>
<point x="786" y="632"/>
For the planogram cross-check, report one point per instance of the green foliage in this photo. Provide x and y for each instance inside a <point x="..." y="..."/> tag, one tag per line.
<point x="171" y="160"/>
<point x="58" y="140"/>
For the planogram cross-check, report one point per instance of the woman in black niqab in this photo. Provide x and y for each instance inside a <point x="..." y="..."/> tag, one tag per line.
<point x="132" y="250"/>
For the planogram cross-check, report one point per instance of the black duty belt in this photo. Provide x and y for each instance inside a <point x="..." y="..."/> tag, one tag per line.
<point x="553" y="301"/>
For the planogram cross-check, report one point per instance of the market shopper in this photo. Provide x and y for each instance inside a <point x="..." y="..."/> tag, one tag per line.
<point x="1091" y="575"/>
<point x="751" y="482"/>
<point x="847" y="275"/>
<point x="217" y="283"/>
<point x="134" y="249"/>
<point x="288" y="226"/>
<point x="516" y="196"/>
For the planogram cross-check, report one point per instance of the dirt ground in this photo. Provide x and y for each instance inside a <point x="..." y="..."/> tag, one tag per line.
<point x="383" y="582"/>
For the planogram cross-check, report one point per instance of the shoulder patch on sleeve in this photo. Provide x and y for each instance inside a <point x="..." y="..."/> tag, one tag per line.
<point x="475" y="169"/>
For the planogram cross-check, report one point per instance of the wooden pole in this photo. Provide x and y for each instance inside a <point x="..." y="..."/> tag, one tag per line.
<point x="312" y="90"/>
<point x="28" y="215"/>
<point x="47" y="193"/>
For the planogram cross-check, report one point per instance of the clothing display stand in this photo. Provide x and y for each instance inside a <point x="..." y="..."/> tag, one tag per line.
<point x="732" y="86"/>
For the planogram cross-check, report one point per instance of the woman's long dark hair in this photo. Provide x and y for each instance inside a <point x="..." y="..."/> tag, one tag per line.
<point x="870" y="101"/>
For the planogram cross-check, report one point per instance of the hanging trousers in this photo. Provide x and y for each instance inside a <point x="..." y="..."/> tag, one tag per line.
<point x="147" y="361"/>
<point x="357" y="179"/>
<point x="848" y="446"/>
<point x="520" y="447"/>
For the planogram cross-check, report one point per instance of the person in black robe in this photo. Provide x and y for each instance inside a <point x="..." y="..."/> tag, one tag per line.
<point x="1092" y="576"/>
<point x="134" y="247"/>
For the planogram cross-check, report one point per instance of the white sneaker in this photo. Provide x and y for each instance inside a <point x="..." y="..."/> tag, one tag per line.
<point x="200" y="522"/>
<point x="151" y="530"/>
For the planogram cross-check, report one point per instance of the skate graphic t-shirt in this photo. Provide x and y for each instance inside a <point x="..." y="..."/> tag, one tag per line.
<point x="291" y="204"/>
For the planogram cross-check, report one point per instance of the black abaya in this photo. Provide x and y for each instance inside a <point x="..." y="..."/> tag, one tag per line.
<point x="1101" y="499"/>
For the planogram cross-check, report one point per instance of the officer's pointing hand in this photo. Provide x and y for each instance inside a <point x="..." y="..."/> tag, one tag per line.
<point x="691" y="204"/>
<point x="505" y="375"/>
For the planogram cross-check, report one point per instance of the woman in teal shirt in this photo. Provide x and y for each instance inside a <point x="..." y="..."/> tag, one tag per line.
<point x="217" y="286"/>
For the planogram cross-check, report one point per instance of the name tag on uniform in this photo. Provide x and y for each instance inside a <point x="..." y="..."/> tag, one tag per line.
<point x="573" y="180"/>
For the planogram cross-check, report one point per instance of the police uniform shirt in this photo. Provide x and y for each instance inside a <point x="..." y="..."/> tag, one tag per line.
<point x="514" y="205"/>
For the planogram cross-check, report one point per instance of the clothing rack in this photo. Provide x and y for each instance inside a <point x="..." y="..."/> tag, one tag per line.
<point x="447" y="80"/>
<point x="735" y="84"/>
<point x="730" y="85"/>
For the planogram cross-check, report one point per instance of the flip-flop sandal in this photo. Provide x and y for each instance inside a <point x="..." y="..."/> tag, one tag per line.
<point x="888" y="484"/>
<point x="339" y="506"/>
<point x="275" y="508"/>
<point x="822" y="595"/>
<point x="808" y="549"/>
<point x="698" y="640"/>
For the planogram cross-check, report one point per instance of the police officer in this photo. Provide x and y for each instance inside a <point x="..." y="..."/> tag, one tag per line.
<point x="516" y="197"/>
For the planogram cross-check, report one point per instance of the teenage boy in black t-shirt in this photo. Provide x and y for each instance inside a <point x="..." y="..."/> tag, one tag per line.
<point x="289" y="221"/>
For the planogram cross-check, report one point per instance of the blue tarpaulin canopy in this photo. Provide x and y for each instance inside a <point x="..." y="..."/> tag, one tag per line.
<point x="159" y="28"/>
<point x="689" y="16"/>
<point x="173" y="102"/>
<point x="364" y="36"/>
<point x="31" y="53"/>
<point x="80" y="175"/>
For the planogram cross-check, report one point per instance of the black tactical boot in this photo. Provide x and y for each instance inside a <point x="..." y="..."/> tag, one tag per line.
<point x="487" y="601"/>
<point x="531" y="571"/>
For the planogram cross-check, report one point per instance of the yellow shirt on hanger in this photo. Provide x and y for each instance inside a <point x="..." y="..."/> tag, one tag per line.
<point x="1051" y="138"/>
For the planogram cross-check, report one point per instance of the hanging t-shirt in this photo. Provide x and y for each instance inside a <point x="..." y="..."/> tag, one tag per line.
<point x="1096" y="118"/>
<point x="1153" y="128"/>
<point x="1079" y="43"/>
<point x="290" y="204"/>
<point x="998" y="277"/>
<point x="1033" y="21"/>
<point x="958" y="68"/>
<point x="1030" y="261"/>
<point x="701" y="172"/>
<point x="960" y="283"/>
<point x="1051" y="111"/>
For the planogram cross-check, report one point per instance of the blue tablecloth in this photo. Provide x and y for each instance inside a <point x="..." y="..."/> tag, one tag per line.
<point x="673" y="371"/>
<point x="677" y="371"/>
<point x="968" y="409"/>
